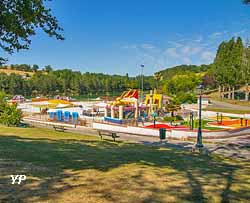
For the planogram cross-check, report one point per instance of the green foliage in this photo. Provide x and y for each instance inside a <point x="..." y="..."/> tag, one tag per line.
<point x="169" y="119"/>
<point x="49" y="82"/>
<point x="183" y="87"/>
<point x="2" y="98"/>
<point x="182" y="83"/>
<point x="9" y="114"/>
<point x="228" y="62"/>
<point x="20" y="20"/>
<point x="183" y="97"/>
<point x="246" y="63"/>
<point x="179" y="118"/>
<point x="182" y="70"/>
<point x="173" y="119"/>
<point x="246" y="1"/>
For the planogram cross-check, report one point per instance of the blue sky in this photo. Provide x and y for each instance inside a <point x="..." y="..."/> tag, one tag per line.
<point x="116" y="36"/>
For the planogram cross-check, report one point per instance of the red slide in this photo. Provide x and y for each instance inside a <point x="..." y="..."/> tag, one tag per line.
<point x="135" y="94"/>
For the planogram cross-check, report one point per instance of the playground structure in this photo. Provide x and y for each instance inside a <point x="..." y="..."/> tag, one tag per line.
<point x="156" y="111"/>
<point x="154" y="100"/>
<point x="63" y="116"/>
<point x="39" y="99"/>
<point x="125" y="107"/>
<point x="145" y="117"/>
<point x="17" y="99"/>
<point x="53" y="103"/>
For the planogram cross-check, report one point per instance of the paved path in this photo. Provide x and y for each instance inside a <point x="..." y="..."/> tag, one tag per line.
<point x="236" y="147"/>
<point x="225" y="105"/>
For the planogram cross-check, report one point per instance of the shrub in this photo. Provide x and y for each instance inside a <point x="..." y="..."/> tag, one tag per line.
<point x="179" y="118"/>
<point x="187" y="98"/>
<point x="172" y="119"/>
<point x="10" y="116"/>
<point x="169" y="119"/>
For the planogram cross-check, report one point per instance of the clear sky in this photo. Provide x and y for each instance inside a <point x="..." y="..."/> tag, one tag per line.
<point x="116" y="36"/>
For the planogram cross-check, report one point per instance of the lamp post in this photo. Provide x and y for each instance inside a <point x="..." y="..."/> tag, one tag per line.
<point x="199" y="135"/>
<point x="142" y="66"/>
<point x="191" y="121"/>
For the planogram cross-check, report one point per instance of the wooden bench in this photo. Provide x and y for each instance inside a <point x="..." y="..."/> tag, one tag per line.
<point x="108" y="133"/>
<point x="59" y="128"/>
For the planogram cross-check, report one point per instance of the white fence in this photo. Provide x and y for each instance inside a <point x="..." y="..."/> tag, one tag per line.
<point x="173" y="133"/>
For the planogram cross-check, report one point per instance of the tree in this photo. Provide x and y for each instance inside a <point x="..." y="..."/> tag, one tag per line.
<point x="227" y="66"/>
<point x="9" y="114"/>
<point x="19" y="21"/>
<point x="246" y="68"/>
<point x="246" y="1"/>
<point x="2" y="98"/>
<point x="48" y="68"/>
<point x="209" y="81"/>
<point x="35" y="68"/>
<point x="158" y="77"/>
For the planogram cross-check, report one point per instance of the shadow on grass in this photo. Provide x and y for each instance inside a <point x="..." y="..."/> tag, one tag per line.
<point x="48" y="159"/>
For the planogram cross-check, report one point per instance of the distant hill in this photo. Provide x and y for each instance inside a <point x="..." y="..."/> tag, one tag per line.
<point x="17" y="72"/>
<point x="182" y="69"/>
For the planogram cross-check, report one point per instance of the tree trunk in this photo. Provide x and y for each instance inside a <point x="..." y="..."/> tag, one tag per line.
<point x="229" y="93"/>
<point x="220" y="92"/>
<point x="247" y="92"/>
<point x="223" y="91"/>
<point x="233" y="92"/>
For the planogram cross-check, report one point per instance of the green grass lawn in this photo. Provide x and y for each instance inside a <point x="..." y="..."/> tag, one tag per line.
<point x="236" y="111"/>
<point x="230" y="101"/>
<point x="65" y="167"/>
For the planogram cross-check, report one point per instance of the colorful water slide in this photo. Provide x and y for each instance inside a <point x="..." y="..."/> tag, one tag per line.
<point x="128" y="94"/>
<point x="134" y="94"/>
<point x="122" y="95"/>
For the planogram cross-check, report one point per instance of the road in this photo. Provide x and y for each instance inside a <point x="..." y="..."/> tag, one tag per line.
<point x="225" y="105"/>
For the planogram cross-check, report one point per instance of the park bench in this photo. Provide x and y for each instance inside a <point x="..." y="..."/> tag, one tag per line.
<point x="59" y="128"/>
<point x="108" y="133"/>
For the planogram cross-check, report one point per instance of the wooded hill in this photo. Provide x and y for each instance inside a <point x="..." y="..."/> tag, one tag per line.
<point x="182" y="69"/>
<point x="230" y="70"/>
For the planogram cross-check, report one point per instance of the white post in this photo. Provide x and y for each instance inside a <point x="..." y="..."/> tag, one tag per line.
<point x="150" y="102"/>
<point x="105" y="112"/>
<point x="136" y="109"/>
<point x="112" y="112"/>
<point x="120" y="112"/>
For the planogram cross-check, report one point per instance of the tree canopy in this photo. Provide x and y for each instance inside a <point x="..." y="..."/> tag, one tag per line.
<point x="246" y="1"/>
<point x="19" y="20"/>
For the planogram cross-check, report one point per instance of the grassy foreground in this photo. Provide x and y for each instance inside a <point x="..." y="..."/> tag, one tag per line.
<point x="65" y="167"/>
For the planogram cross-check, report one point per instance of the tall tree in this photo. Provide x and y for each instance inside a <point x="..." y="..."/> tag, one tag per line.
<point x="246" y="68"/>
<point x="19" y="21"/>
<point x="227" y="65"/>
<point x="246" y="1"/>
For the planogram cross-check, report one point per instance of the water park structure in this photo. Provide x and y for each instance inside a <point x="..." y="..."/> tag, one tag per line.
<point x="127" y="114"/>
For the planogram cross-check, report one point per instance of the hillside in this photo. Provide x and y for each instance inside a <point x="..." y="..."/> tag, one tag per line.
<point x="182" y="69"/>
<point x="18" y="72"/>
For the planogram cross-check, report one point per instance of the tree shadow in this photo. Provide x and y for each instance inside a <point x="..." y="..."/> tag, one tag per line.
<point x="48" y="159"/>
